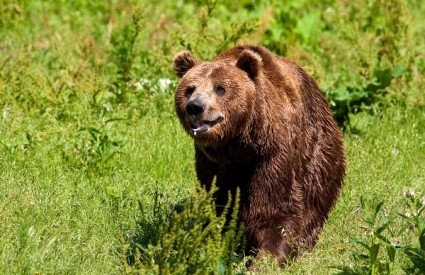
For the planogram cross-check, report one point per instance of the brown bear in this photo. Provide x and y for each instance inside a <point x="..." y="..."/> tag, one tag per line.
<point x="261" y="124"/>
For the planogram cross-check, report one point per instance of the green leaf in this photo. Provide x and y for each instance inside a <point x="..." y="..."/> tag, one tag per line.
<point x="398" y="71"/>
<point x="377" y="209"/>
<point x="309" y="26"/>
<point x="379" y="230"/>
<point x="361" y="200"/>
<point x="373" y="252"/>
<point x="422" y="239"/>
<point x="114" y="119"/>
<point x="342" y="94"/>
<point x="416" y="257"/>
<point x="420" y="210"/>
<point x="391" y="253"/>
<point x="89" y="129"/>
<point x="359" y="241"/>
<point x="383" y="238"/>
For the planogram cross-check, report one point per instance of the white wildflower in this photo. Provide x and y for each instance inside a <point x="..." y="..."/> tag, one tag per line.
<point x="142" y="82"/>
<point x="164" y="84"/>
<point x="386" y="213"/>
<point x="329" y="10"/>
<point x="107" y="107"/>
<point x="408" y="193"/>
<point x="6" y="111"/>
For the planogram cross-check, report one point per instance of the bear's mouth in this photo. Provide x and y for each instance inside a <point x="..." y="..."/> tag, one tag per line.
<point x="204" y="126"/>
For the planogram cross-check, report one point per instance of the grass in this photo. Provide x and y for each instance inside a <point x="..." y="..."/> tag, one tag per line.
<point x="92" y="156"/>
<point x="59" y="219"/>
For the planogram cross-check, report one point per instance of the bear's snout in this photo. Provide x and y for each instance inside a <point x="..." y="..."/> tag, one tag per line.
<point x="195" y="107"/>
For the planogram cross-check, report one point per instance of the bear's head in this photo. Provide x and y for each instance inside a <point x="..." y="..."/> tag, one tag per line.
<point x="215" y="100"/>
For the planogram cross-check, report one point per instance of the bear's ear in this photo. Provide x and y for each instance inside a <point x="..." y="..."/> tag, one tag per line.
<point x="249" y="62"/>
<point x="183" y="62"/>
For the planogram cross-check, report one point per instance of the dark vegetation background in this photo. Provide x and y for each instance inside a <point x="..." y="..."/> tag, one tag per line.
<point x="96" y="174"/>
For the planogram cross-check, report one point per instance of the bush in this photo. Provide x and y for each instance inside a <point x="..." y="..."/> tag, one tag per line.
<point x="186" y="238"/>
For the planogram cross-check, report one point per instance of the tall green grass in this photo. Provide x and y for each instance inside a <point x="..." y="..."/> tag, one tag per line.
<point x="96" y="174"/>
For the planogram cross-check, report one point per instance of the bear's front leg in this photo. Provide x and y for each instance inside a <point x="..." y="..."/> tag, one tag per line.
<point x="279" y="236"/>
<point x="206" y="170"/>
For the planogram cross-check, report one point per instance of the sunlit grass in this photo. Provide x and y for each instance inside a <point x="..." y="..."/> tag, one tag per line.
<point x="83" y="149"/>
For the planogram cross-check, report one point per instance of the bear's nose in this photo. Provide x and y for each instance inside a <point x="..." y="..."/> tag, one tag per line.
<point x="194" y="107"/>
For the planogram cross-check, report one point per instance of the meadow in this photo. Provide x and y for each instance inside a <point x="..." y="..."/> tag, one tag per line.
<point x="97" y="176"/>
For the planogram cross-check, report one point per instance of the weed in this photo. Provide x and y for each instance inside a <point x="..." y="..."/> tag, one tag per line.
<point x="124" y="54"/>
<point x="95" y="151"/>
<point x="415" y="220"/>
<point x="384" y="232"/>
<point x="187" y="238"/>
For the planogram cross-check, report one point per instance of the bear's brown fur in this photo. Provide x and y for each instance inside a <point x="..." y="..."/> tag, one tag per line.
<point x="260" y="123"/>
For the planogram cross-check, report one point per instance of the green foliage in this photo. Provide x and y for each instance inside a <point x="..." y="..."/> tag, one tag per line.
<point x="95" y="151"/>
<point x="294" y="23"/>
<point x="415" y="222"/>
<point x="213" y="37"/>
<point x="124" y="54"/>
<point x="384" y="231"/>
<point x="188" y="238"/>
<point x="361" y="49"/>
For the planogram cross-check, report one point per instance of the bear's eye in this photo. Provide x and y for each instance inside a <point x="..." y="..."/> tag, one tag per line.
<point x="219" y="89"/>
<point x="189" y="90"/>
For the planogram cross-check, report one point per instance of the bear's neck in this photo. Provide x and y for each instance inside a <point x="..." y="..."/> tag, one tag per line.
<point x="233" y="151"/>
